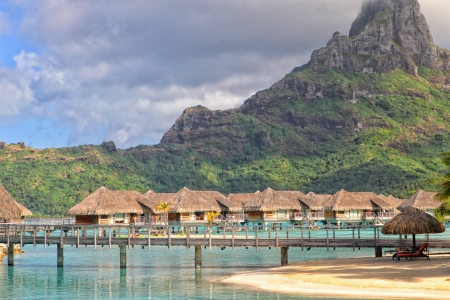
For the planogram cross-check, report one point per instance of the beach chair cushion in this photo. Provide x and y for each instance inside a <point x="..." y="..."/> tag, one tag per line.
<point x="418" y="253"/>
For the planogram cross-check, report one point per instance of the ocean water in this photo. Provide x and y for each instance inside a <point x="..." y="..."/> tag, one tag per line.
<point x="155" y="273"/>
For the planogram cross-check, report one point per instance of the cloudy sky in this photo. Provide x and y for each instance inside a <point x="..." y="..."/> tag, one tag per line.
<point x="84" y="72"/>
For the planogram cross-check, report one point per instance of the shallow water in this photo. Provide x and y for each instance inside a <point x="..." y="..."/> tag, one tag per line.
<point x="156" y="273"/>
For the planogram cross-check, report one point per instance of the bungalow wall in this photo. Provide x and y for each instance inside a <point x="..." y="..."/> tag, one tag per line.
<point x="192" y="217"/>
<point x="268" y="215"/>
<point x="86" y="220"/>
<point x="173" y="217"/>
<point x="121" y="218"/>
<point x="253" y="215"/>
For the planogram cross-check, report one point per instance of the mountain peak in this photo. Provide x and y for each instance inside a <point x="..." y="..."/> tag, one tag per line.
<point x="387" y="34"/>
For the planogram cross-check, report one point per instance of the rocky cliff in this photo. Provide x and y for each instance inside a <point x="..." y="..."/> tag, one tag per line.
<point x="387" y="34"/>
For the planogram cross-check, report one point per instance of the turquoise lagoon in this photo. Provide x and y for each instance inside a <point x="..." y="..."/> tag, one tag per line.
<point x="155" y="273"/>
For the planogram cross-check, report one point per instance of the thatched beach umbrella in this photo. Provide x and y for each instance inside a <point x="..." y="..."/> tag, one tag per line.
<point x="413" y="221"/>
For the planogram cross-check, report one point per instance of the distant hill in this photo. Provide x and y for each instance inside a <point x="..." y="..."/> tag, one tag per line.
<point x="369" y="112"/>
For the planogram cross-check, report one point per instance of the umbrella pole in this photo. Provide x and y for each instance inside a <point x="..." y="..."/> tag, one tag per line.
<point x="414" y="241"/>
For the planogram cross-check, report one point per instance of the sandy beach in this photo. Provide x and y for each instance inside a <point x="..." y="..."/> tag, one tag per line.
<point x="360" y="277"/>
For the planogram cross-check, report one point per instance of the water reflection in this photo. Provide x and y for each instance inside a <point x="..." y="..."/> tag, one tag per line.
<point x="123" y="283"/>
<point x="158" y="274"/>
<point x="60" y="278"/>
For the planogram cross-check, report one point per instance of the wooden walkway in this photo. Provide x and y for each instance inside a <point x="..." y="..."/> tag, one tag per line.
<point x="284" y="237"/>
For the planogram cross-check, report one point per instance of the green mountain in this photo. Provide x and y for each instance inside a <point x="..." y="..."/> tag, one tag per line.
<point x="368" y="113"/>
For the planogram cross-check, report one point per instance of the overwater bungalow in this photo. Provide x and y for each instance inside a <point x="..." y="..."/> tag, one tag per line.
<point x="109" y="207"/>
<point x="153" y="200"/>
<point x="310" y="211"/>
<point x="10" y="209"/>
<point x="355" y="208"/>
<point x="188" y="207"/>
<point x="230" y="211"/>
<point x="271" y="206"/>
<point x="135" y="199"/>
<point x="425" y="201"/>
<point x="394" y="202"/>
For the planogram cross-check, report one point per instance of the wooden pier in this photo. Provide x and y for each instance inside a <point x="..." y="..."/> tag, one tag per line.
<point x="277" y="237"/>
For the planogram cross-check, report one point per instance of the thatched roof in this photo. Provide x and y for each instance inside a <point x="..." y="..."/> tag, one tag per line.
<point x="381" y="203"/>
<point x="224" y="203"/>
<point x="152" y="199"/>
<point x="185" y="201"/>
<point x="421" y="200"/>
<point x="242" y="198"/>
<point x="8" y="206"/>
<point x="25" y="212"/>
<point x="270" y="200"/>
<point x="104" y="202"/>
<point x="148" y="193"/>
<point x="344" y="200"/>
<point x="319" y="198"/>
<point x="393" y="201"/>
<point x="413" y="221"/>
<point x="134" y="199"/>
<point x="305" y="201"/>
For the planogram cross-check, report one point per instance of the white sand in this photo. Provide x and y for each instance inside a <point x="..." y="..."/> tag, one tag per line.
<point x="360" y="277"/>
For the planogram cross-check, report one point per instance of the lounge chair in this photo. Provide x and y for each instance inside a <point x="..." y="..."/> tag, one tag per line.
<point x="419" y="253"/>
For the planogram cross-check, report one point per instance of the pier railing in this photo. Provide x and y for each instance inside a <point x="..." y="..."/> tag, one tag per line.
<point x="48" y="221"/>
<point x="279" y="236"/>
<point x="220" y="236"/>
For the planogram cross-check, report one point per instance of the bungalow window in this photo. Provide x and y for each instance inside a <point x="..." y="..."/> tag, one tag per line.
<point x="119" y="218"/>
<point x="104" y="217"/>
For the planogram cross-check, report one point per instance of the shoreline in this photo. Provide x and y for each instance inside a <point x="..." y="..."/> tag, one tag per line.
<point x="354" y="277"/>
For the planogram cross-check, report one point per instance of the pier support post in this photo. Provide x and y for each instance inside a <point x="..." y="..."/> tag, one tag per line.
<point x="284" y="256"/>
<point x="11" y="254"/>
<point x="60" y="255"/>
<point x="123" y="256"/>
<point x="378" y="251"/>
<point x="198" y="257"/>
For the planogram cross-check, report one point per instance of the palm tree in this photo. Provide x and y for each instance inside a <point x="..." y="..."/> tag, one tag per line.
<point x="164" y="207"/>
<point x="444" y="210"/>
<point x="211" y="215"/>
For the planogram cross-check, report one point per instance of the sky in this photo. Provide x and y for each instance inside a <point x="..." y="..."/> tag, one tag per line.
<point x="84" y="72"/>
